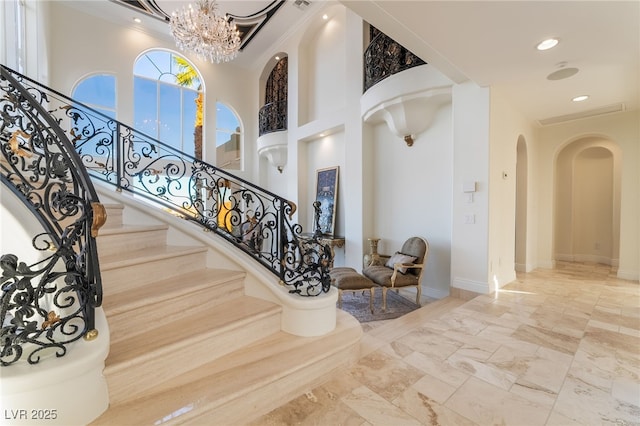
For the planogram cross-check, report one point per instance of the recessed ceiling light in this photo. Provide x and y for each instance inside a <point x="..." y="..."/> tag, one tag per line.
<point x="325" y="16"/>
<point x="580" y="98"/>
<point x="137" y="20"/>
<point x="277" y="58"/>
<point x="547" y="44"/>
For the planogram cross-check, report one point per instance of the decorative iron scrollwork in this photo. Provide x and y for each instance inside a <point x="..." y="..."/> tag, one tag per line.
<point x="49" y="304"/>
<point x="385" y="57"/>
<point x="253" y="219"/>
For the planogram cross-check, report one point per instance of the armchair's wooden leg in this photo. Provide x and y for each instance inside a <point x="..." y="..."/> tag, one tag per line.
<point x="339" y="298"/>
<point x="418" y="294"/>
<point x="384" y="299"/>
<point x="371" y="296"/>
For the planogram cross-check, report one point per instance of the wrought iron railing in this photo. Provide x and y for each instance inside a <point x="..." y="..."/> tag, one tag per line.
<point x="385" y="57"/>
<point x="51" y="303"/>
<point x="272" y="118"/>
<point x="257" y="221"/>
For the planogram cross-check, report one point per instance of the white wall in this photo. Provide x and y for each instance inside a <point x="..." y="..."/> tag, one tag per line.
<point x="469" y="241"/>
<point x="18" y="226"/>
<point x="507" y="126"/>
<point x="412" y="195"/>
<point x="326" y="68"/>
<point x="593" y="194"/>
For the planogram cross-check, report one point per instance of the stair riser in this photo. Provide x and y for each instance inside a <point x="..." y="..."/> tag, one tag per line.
<point x="123" y="278"/>
<point x="276" y="392"/>
<point x="119" y="243"/>
<point x="120" y="325"/>
<point x="114" y="217"/>
<point x="127" y="382"/>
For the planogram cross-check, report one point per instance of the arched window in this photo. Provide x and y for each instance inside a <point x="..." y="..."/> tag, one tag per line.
<point x="228" y="138"/>
<point x="98" y="91"/>
<point x="168" y="100"/>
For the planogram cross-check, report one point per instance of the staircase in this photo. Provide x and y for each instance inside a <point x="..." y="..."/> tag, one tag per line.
<point x="189" y="347"/>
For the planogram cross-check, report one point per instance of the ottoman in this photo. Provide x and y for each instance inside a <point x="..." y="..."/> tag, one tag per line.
<point x="348" y="279"/>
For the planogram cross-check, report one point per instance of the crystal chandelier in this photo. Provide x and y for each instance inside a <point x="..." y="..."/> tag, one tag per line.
<point x="206" y="32"/>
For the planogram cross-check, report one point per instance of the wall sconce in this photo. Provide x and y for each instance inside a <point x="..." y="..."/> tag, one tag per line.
<point x="273" y="146"/>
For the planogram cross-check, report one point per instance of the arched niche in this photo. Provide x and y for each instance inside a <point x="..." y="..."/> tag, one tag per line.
<point x="587" y="201"/>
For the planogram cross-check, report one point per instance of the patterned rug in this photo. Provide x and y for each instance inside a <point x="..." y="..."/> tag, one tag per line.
<point x="357" y="304"/>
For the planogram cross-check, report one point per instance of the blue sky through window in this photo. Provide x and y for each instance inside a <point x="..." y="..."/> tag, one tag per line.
<point x="162" y="108"/>
<point x="98" y="91"/>
<point x="227" y="123"/>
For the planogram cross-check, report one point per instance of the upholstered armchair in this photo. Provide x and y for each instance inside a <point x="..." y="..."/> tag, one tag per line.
<point x="403" y="269"/>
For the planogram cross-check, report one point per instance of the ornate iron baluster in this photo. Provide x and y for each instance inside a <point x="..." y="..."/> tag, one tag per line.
<point x="51" y="303"/>
<point x="255" y="220"/>
<point x="385" y="57"/>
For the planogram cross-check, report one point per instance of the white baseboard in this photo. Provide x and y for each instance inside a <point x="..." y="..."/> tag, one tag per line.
<point x="435" y="293"/>
<point x="547" y="264"/>
<point x="628" y="275"/>
<point x="593" y="258"/>
<point x="470" y="285"/>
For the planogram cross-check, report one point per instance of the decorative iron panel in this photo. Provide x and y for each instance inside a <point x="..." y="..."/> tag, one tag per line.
<point x="385" y="57"/>
<point x="46" y="305"/>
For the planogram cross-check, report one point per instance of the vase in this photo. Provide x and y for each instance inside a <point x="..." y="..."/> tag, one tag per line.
<point x="373" y="255"/>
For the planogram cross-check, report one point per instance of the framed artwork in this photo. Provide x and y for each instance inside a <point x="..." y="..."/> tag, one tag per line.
<point x="326" y="195"/>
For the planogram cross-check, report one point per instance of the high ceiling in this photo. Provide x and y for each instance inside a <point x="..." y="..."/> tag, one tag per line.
<point x="493" y="44"/>
<point x="489" y="42"/>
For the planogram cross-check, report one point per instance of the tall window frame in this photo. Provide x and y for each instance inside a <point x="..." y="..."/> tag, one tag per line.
<point x="169" y="100"/>
<point x="229" y="140"/>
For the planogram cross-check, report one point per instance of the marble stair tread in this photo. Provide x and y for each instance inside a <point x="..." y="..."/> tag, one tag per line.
<point x="127" y="229"/>
<point x="134" y="257"/>
<point x="245" y="383"/>
<point x="167" y="289"/>
<point x="171" y="335"/>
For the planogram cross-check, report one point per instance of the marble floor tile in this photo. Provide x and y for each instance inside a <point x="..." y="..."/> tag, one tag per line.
<point x="385" y="375"/>
<point x="547" y="338"/>
<point x="438" y="368"/>
<point x="376" y="410"/>
<point x="502" y="336"/>
<point x="486" y="404"/>
<point x="586" y="404"/>
<point x="555" y="347"/>
<point x="484" y="371"/>
<point x="430" y="343"/>
<point x="428" y="411"/>
<point x="433" y="388"/>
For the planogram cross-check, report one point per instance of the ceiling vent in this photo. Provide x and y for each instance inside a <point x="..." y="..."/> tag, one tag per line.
<point x="301" y="4"/>
<point x="585" y="114"/>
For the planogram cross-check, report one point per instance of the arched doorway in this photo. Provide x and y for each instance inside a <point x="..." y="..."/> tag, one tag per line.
<point x="587" y="202"/>
<point x="520" y="260"/>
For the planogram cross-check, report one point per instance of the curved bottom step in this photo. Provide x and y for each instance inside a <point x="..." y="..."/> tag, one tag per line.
<point x="246" y="384"/>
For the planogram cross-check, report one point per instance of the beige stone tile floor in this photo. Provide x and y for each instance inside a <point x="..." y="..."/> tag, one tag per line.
<point x="554" y="347"/>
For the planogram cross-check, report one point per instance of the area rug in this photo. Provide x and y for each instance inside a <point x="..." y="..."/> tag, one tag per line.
<point x="357" y="304"/>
